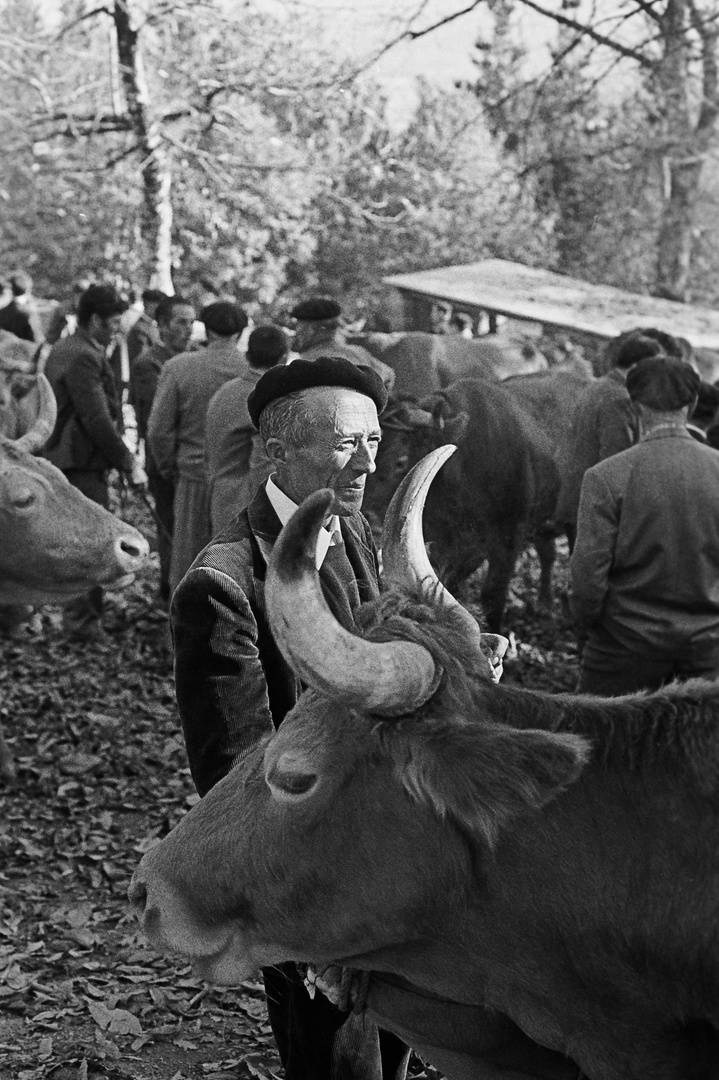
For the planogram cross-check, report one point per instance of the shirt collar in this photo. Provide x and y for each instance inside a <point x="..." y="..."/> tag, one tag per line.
<point x="329" y="535"/>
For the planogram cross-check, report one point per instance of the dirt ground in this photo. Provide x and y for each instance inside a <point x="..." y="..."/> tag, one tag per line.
<point x="102" y="776"/>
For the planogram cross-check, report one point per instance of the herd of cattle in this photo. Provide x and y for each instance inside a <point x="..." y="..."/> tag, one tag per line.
<point x="533" y="880"/>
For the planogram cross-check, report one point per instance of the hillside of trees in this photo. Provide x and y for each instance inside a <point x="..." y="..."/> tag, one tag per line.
<point x="173" y="142"/>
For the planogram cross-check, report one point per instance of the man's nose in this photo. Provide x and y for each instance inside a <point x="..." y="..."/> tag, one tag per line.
<point x="364" y="459"/>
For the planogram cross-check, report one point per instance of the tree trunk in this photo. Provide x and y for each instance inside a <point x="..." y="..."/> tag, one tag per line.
<point x="689" y="141"/>
<point x="156" y="227"/>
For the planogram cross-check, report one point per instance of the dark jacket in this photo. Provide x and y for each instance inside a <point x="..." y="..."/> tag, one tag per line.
<point x="144" y="376"/>
<point x="603" y="424"/>
<point x="87" y="432"/>
<point x="645" y="566"/>
<point x="233" y="685"/>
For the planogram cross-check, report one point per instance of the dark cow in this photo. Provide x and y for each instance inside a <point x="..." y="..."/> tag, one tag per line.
<point x="531" y="880"/>
<point x="424" y="363"/>
<point x="56" y="543"/>
<point x="498" y="492"/>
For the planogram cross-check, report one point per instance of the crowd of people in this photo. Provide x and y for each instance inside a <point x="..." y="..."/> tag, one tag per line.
<point x="231" y="437"/>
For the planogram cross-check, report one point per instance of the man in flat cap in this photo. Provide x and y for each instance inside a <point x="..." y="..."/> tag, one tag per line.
<point x="176" y="427"/>
<point x="319" y="333"/>
<point x="645" y="567"/>
<point x="319" y="422"/>
<point x="603" y="422"/>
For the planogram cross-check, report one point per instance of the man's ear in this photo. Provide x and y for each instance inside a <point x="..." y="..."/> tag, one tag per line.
<point x="276" y="451"/>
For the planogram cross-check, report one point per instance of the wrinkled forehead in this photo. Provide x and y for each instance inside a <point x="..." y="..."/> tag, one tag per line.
<point x="339" y="409"/>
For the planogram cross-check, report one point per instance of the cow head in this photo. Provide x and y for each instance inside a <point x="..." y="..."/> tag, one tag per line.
<point x="362" y="822"/>
<point x="55" y="542"/>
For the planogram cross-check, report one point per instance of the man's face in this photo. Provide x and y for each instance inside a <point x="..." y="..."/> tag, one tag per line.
<point x="105" y="330"/>
<point x="339" y="452"/>
<point x="177" y="331"/>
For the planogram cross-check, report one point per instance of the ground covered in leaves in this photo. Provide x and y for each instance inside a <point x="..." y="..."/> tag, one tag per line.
<point x="103" y="775"/>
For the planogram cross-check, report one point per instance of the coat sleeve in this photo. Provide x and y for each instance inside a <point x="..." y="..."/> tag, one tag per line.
<point x="84" y="386"/>
<point x="593" y="555"/>
<point x="219" y="678"/>
<point x="163" y="424"/>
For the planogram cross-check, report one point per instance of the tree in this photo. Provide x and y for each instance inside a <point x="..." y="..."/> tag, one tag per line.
<point x="668" y="51"/>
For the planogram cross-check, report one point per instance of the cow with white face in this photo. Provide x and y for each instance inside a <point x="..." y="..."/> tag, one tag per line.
<point x="56" y="543"/>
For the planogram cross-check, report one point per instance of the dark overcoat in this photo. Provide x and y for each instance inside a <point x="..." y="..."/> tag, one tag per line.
<point x="233" y="685"/>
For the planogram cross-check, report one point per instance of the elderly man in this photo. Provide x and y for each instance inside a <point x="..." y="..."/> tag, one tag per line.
<point x="320" y="428"/>
<point x="176" y="427"/>
<point x="645" y="567"/>
<point x="319" y="333"/>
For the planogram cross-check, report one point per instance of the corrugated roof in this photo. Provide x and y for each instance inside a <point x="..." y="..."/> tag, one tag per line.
<point x="523" y="292"/>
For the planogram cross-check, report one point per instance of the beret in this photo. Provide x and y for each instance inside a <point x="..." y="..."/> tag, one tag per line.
<point x="316" y="309"/>
<point x="279" y="381"/>
<point x="224" y="318"/>
<point x="663" y="383"/>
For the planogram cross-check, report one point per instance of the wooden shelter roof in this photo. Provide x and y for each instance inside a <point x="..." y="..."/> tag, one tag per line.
<point x="523" y="292"/>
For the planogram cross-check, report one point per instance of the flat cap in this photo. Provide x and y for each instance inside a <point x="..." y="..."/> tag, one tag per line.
<point x="279" y="381"/>
<point x="316" y="309"/>
<point x="224" y="318"/>
<point x="663" y="383"/>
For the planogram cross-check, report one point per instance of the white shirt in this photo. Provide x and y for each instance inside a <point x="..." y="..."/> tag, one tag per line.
<point x="284" y="507"/>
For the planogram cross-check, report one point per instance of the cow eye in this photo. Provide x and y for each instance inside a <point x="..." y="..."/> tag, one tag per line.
<point x="24" y="500"/>
<point x="290" y="783"/>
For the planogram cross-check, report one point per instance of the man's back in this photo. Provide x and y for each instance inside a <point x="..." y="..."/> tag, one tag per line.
<point x="659" y="504"/>
<point x="186" y="387"/>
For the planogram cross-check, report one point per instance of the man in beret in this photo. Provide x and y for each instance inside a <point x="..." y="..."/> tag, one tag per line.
<point x="603" y="422"/>
<point x="645" y="567"/>
<point x="319" y="333"/>
<point x="176" y="427"/>
<point x="319" y="422"/>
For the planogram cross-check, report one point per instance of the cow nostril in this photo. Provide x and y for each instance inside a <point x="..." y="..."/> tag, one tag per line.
<point x="132" y="549"/>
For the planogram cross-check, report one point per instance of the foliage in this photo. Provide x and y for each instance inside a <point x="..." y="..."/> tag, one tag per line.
<point x="287" y="174"/>
<point x="612" y="135"/>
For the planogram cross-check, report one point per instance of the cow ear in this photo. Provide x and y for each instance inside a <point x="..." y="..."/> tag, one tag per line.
<point x="483" y="775"/>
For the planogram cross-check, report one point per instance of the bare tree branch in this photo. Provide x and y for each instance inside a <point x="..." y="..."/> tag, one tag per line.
<point x="588" y="31"/>
<point x="80" y="19"/>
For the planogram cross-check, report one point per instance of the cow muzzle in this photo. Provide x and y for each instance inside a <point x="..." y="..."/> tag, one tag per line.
<point x="219" y="955"/>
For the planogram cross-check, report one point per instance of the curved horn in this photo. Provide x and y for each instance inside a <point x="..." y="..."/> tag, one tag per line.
<point x="404" y="556"/>
<point x="391" y="677"/>
<point x="36" y="437"/>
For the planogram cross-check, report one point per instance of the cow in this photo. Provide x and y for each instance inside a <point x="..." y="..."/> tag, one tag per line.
<point x="497" y="494"/>
<point x="56" y="543"/>
<point x="527" y="885"/>
<point x="424" y="363"/>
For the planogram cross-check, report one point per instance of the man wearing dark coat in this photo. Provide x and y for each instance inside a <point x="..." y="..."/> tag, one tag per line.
<point x="319" y="423"/>
<point x="645" y="567"/>
<point x="603" y="423"/>
<point x="87" y="440"/>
